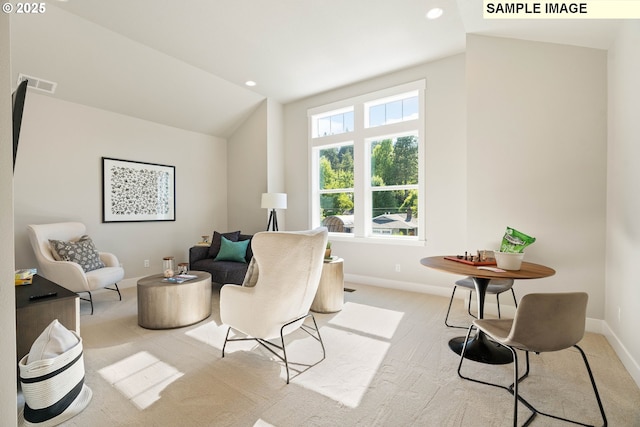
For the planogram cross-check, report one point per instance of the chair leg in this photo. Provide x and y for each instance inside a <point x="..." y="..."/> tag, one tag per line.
<point x="226" y="338"/>
<point x="316" y="330"/>
<point x="268" y="345"/>
<point x="513" y="388"/>
<point x="595" y="392"/>
<point x="593" y="384"/>
<point x="464" y="352"/>
<point x="116" y="289"/>
<point x="469" y="305"/>
<point x="526" y="372"/>
<point x="284" y="354"/>
<point x="308" y="330"/>
<point x="446" y="319"/>
<point x="498" y="300"/>
<point x="90" y="300"/>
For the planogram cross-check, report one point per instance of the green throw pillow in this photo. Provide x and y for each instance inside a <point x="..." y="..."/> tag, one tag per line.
<point x="232" y="251"/>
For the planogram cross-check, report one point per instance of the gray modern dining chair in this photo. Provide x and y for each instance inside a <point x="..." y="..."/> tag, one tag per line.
<point x="542" y="323"/>
<point x="496" y="287"/>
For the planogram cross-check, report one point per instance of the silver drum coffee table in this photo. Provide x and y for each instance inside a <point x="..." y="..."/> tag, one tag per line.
<point x="164" y="305"/>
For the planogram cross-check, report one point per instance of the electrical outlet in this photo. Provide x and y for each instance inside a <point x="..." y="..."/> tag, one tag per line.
<point x="146" y="263"/>
<point x="397" y="268"/>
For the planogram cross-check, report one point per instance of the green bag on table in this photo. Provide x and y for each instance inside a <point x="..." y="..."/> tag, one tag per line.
<point x="515" y="241"/>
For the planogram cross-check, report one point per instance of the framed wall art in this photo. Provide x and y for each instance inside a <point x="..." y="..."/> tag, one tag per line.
<point x="137" y="191"/>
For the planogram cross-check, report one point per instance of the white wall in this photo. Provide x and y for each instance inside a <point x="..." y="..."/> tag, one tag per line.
<point x="622" y="310"/>
<point x="256" y="166"/>
<point x="247" y="173"/>
<point x="536" y="141"/>
<point x="58" y="178"/>
<point x="7" y="289"/>
<point x="446" y="177"/>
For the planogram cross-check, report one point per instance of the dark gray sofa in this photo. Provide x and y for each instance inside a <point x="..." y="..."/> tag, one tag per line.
<point x="201" y="258"/>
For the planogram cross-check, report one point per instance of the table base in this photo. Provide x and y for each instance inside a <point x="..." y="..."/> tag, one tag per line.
<point x="481" y="349"/>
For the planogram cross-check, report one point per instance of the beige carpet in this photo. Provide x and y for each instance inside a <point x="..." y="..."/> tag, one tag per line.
<point x="387" y="364"/>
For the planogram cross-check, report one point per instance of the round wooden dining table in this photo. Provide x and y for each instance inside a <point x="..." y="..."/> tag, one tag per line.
<point x="480" y="348"/>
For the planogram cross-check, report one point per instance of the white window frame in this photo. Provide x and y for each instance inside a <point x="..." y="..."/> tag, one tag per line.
<point x="316" y="165"/>
<point x="361" y="137"/>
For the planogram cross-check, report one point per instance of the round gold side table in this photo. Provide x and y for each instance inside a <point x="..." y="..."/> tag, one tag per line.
<point x="330" y="295"/>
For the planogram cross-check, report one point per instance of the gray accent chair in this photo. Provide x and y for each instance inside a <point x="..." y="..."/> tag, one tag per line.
<point x="542" y="323"/>
<point x="496" y="287"/>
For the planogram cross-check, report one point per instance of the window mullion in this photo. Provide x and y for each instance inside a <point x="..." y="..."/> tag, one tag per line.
<point x="361" y="200"/>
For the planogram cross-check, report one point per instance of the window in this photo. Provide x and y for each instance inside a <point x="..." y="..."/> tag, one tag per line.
<point x="332" y="123"/>
<point x="365" y="161"/>
<point x="396" y="109"/>
<point x="336" y="181"/>
<point x="394" y="185"/>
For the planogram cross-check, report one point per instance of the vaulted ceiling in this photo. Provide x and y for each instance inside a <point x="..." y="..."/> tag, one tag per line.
<point x="185" y="63"/>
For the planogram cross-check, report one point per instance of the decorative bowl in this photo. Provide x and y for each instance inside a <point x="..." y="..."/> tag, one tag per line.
<point x="508" y="260"/>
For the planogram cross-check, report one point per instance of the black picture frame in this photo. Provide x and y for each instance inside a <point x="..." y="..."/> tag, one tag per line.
<point x="135" y="191"/>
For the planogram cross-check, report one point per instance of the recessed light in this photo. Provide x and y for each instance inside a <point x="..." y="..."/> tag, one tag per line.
<point x="250" y="83"/>
<point x="434" y="13"/>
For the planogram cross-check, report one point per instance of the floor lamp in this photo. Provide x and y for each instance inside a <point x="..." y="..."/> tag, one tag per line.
<point x="273" y="201"/>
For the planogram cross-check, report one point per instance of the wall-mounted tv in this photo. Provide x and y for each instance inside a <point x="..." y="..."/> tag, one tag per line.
<point x="18" y="107"/>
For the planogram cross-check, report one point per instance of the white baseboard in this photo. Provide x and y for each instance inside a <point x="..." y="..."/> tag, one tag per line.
<point x="597" y="326"/>
<point x="395" y="284"/>
<point x="623" y="354"/>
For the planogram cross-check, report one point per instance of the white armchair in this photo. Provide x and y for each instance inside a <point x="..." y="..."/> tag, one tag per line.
<point x="69" y="274"/>
<point x="288" y="266"/>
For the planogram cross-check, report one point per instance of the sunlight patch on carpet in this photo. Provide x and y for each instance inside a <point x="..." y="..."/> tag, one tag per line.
<point x="141" y="378"/>
<point x="213" y="335"/>
<point x="357" y="341"/>
<point x="370" y="320"/>
<point x="351" y="364"/>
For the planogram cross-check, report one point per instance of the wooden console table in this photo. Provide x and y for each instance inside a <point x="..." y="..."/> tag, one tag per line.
<point x="34" y="315"/>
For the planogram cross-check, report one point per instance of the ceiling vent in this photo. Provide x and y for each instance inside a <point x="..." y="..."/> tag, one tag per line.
<point x="37" y="83"/>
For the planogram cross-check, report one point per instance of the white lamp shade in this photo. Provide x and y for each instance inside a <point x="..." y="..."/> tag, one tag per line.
<point x="274" y="201"/>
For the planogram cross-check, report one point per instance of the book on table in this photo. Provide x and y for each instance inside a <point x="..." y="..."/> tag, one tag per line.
<point x="24" y="276"/>
<point x="180" y="278"/>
